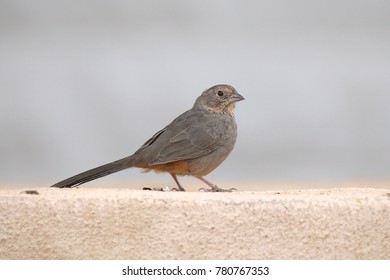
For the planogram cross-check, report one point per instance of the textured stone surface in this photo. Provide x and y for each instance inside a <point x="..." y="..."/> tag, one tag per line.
<point x="92" y="223"/>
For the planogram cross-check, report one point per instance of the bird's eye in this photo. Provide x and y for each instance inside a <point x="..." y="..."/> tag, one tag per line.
<point x="220" y="93"/>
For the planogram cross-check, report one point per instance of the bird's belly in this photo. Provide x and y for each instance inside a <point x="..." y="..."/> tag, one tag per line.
<point x="204" y="165"/>
<point x="180" y="167"/>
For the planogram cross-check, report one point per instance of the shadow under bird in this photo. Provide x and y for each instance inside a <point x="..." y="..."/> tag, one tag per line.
<point x="195" y="143"/>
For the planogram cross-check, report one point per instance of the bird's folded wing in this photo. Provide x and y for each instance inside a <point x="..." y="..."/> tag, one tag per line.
<point x="190" y="143"/>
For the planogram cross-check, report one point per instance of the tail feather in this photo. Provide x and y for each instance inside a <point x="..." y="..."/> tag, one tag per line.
<point x="95" y="173"/>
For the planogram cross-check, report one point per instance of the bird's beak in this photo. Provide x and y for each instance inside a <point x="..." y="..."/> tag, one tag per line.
<point x="236" y="97"/>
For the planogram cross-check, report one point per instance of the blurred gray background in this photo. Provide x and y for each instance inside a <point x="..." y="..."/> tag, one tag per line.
<point x="83" y="83"/>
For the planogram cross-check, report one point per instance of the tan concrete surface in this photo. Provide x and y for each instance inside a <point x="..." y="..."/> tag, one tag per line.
<point x="109" y="223"/>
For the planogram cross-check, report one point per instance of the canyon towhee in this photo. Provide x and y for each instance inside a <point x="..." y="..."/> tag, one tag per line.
<point x="194" y="143"/>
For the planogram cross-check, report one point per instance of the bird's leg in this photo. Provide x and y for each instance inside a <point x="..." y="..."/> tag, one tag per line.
<point x="214" y="188"/>
<point x="181" y="189"/>
<point x="166" y="189"/>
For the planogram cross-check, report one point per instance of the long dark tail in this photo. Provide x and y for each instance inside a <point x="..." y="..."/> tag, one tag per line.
<point x="95" y="173"/>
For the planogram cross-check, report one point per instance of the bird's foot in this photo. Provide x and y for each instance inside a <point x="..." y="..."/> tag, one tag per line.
<point x="215" y="188"/>
<point x="163" y="189"/>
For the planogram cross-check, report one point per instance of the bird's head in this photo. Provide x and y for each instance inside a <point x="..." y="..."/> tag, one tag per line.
<point x="219" y="99"/>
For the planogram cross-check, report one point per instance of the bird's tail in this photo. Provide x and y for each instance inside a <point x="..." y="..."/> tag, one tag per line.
<point x="95" y="173"/>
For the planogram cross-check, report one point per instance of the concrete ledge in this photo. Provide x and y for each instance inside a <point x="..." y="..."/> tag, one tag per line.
<point x="90" y="223"/>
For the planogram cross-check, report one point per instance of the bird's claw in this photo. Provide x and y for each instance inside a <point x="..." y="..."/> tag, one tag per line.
<point x="164" y="189"/>
<point x="215" y="188"/>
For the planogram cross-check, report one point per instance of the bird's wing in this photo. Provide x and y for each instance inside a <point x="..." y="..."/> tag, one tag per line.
<point x="191" y="142"/>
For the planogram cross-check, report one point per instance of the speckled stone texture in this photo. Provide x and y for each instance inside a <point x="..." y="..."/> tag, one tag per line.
<point x="92" y="223"/>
